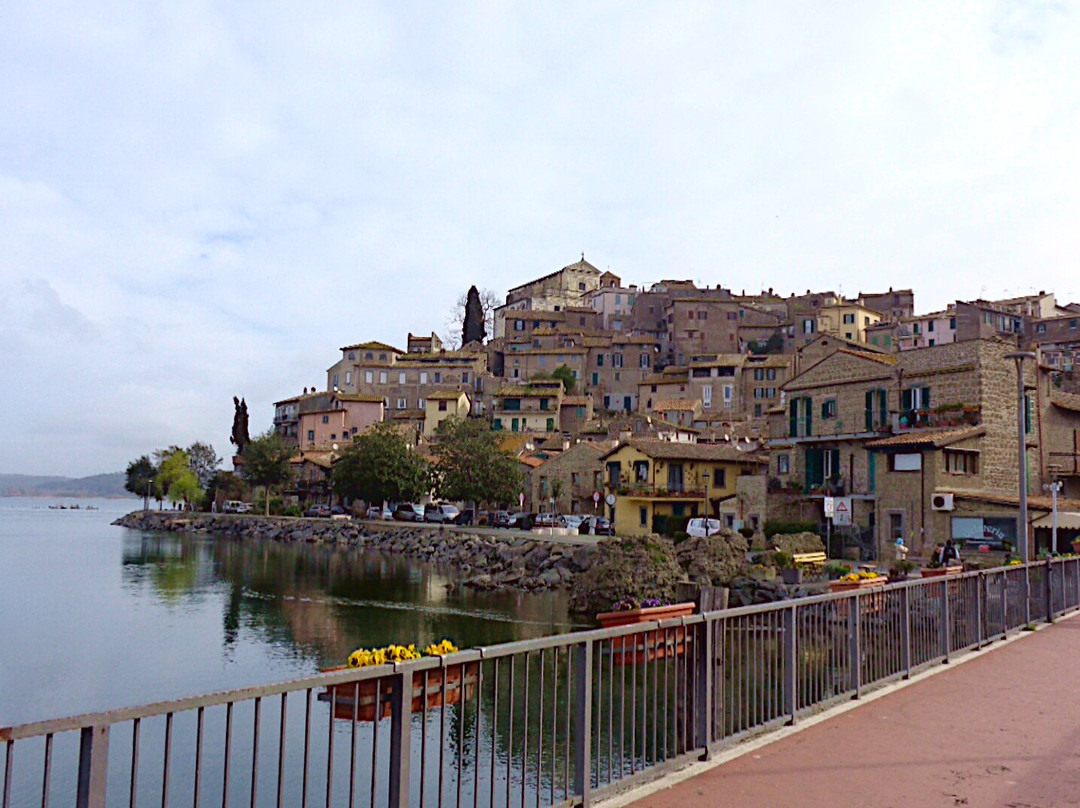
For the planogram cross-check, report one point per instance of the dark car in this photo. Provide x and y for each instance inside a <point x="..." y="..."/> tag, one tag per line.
<point x="466" y="517"/>
<point x="521" y="521"/>
<point x="597" y="526"/>
<point x="319" y="511"/>
<point x="407" y="512"/>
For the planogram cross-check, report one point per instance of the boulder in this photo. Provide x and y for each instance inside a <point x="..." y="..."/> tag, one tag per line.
<point x="639" y="567"/>
<point x="714" y="560"/>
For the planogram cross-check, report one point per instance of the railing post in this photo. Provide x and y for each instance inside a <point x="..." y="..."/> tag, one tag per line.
<point x="854" y="646"/>
<point x="791" y="704"/>
<point x="946" y="635"/>
<point x="980" y="606"/>
<point x="1026" y="588"/>
<point x="1076" y="569"/>
<point x="400" y="739"/>
<point x="93" y="767"/>
<point x="1049" y="589"/>
<point x="583" y="662"/>
<point x="905" y="630"/>
<point x="703" y="701"/>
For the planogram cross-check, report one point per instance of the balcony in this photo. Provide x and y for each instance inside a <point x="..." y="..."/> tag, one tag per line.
<point x="646" y="491"/>
<point x="949" y="415"/>
<point x="1065" y="463"/>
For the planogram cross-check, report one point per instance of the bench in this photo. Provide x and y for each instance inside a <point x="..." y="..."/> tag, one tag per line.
<point x="814" y="561"/>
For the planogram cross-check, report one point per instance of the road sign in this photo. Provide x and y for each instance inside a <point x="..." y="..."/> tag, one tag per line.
<point x="610" y="499"/>
<point x="521" y="500"/>
<point x="842" y="511"/>
<point x="595" y="496"/>
<point x="830" y="507"/>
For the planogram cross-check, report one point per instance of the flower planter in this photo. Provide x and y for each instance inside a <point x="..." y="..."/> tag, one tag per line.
<point x="792" y="576"/>
<point x="940" y="572"/>
<point x="865" y="583"/>
<point x="870" y="604"/>
<point x="634" y="649"/>
<point x="441" y="690"/>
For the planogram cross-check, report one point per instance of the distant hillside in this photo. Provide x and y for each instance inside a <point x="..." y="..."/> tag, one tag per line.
<point x="97" y="485"/>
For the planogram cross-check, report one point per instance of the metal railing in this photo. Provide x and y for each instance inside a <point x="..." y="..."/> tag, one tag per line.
<point x="547" y="722"/>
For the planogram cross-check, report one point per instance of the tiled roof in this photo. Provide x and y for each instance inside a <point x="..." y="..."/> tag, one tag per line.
<point x="1067" y="401"/>
<point x="409" y="415"/>
<point x="885" y="359"/>
<point x="933" y="438"/>
<point x="680" y="404"/>
<point x="447" y="395"/>
<point x="532" y="462"/>
<point x="526" y="390"/>
<point x="375" y="346"/>
<point x="359" y="397"/>
<point x="670" y="450"/>
<point x="769" y="361"/>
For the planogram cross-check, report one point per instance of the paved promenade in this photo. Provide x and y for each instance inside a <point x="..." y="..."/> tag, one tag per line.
<point x="1002" y="729"/>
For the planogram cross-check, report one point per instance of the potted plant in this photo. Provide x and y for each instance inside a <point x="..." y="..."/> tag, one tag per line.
<point x="369" y="699"/>
<point x="835" y="570"/>
<point x="858" y="580"/>
<point x="935" y="569"/>
<point x="785" y="562"/>
<point x="633" y="649"/>
<point x="900" y="569"/>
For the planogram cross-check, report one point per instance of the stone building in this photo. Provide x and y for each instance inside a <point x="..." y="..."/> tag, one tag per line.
<point x="553" y="292"/>
<point x="578" y="471"/>
<point x="528" y="408"/>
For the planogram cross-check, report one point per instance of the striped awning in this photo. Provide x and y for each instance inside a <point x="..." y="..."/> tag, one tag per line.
<point x="1068" y="520"/>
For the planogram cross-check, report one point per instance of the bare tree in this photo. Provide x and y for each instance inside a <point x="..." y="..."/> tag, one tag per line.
<point x="489" y="301"/>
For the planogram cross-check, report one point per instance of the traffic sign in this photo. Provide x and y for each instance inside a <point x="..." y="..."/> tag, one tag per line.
<point x="830" y="507"/>
<point x="842" y="511"/>
<point x="521" y="500"/>
<point x="595" y="496"/>
<point x="610" y="499"/>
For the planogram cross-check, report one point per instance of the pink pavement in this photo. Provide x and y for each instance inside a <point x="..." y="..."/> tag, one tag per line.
<point x="1002" y="729"/>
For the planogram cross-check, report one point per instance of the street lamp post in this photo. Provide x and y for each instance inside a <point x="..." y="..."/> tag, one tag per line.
<point x="1053" y="488"/>
<point x="706" y="477"/>
<point x="1019" y="357"/>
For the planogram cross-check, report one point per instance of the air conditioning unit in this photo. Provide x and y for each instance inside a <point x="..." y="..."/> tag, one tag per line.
<point x="942" y="502"/>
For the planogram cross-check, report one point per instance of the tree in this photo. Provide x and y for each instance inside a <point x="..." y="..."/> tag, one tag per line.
<point x="455" y="320"/>
<point x="556" y="491"/>
<point x="140" y="478"/>
<point x="379" y="466"/>
<point x="266" y="462"/>
<point x="204" y="462"/>
<point x="563" y="372"/>
<point x="177" y="479"/>
<point x="472" y="467"/>
<point x="472" y="329"/>
<point x="226" y="485"/>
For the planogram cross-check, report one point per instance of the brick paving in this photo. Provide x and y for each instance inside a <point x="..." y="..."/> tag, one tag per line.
<point x="1002" y="729"/>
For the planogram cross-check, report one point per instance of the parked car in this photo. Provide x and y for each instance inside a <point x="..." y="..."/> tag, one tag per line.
<point x="235" y="506"/>
<point x="499" y="519"/>
<point x="596" y="526"/>
<point x="521" y="521"/>
<point x="466" y="517"/>
<point x="546" y="519"/>
<point x="702" y="526"/>
<point x="571" y="521"/>
<point x="379" y="512"/>
<point x="440" y="512"/>
<point x="407" y="512"/>
<point x="320" y="511"/>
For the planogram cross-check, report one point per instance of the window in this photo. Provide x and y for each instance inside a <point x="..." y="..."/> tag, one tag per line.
<point x="908" y="461"/>
<point x="828" y="408"/>
<point x="757" y="410"/>
<point x="581" y="287"/>
<point x="550" y="425"/>
<point x="759" y="374"/>
<point x="335" y="380"/>
<point x="706" y="396"/>
<point x="952" y="323"/>
<point x="733" y="315"/>
<point x="496" y="424"/>
<point x="369" y="355"/>
<point x="930" y="325"/>
<point x="382" y="377"/>
<point x="512" y="405"/>
<point x="438" y="377"/>
<point x="809" y="326"/>
<point x="369" y="376"/>
<point x="643" y="360"/>
<point x="719" y="478"/>
<point x="348" y="377"/>
<point x="352" y="354"/>
<point x="1040" y="328"/>
<point x="544" y="403"/>
<point x="382" y="357"/>
<point x="728" y="391"/>
<point x="311" y="434"/>
<point x="643" y="516"/>
<point x="849" y="319"/>
<point x="420" y="403"/>
<point x="542" y="361"/>
<point x="957" y="462"/>
<point x="599" y="360"/>
<point x="616" y="360"/>
<point x="402" y="403"/>
<point x="401" y="377"/>
<point x="800" y="417"/>
<point x="703" y="315"/>
<point x="770" y="392"/>
<point x="595" y="379"/>
<point x="514" y="425"/>
<point x="770" y="374"/>
<point x="519" y="325"/>
<point x="783" y="463"/>
<point x="442" y="406"/>
<point x="876" y="409"/>
<point x="326" y="419"/>
<point x="690" y="315"/>
<point x="464" y="377"/>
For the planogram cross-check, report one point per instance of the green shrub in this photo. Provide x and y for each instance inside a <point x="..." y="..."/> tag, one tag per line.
<point x="774" y="526"/>
<point x="293" y="510"/>
<point x="680" y="536"/>
<point x="782" y="560"/>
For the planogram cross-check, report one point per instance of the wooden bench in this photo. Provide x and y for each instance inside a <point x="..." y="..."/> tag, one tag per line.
<point x="814" y="561"/>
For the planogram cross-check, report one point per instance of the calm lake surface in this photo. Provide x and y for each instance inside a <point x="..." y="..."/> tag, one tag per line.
<point x="96" y="616"/>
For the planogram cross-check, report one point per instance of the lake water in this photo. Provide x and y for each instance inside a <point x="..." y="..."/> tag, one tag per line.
<point x="96" y="616"/>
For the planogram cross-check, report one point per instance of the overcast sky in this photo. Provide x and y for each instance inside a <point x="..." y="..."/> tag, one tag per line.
<point x="207" y="199"/>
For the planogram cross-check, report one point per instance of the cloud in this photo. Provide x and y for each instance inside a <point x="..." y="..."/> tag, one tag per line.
<point x="210" y="198"/>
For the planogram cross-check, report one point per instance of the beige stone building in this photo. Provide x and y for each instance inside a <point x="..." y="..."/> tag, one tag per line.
<point x="528" y="408"/>
<point x="578" y="471"/>
<point x="444" y="404"/>
<point x="554" y="292"/>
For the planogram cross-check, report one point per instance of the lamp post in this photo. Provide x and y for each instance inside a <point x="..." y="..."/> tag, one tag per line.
<point x="1053" y="488"/>
<point x="1022" y="539"/>
<point x="706" y="477"/>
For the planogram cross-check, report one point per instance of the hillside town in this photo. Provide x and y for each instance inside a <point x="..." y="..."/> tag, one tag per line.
<point x="860" y="415"/>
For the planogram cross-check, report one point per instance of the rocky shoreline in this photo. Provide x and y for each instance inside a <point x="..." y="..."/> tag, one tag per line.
<point x="511" y="561"/>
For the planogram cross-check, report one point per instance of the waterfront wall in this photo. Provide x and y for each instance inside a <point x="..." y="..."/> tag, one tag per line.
<point x="489" y="561"/>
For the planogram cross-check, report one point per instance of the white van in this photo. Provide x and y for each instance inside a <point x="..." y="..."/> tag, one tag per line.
<point x="702" y="527"/>
<point x="235" y="506"/>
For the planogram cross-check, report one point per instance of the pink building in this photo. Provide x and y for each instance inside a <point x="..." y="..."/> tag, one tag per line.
<point x="347" y="415"/>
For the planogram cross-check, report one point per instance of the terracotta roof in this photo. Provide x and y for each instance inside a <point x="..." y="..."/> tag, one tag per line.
<point x="525" y="390"/>
<point x="769" y="361"/>
<point x="670" y="450"/>
<point x="375" y="346"/>
<point x="658" y="378"/>
<point x="933" y="438"/>
<point x="885" y="359"/>
<point x="358" y="397"/>
<point x="409" y="415"/>
<point x="447" y="395"/>
<point x="314" y="456"/>
<point x="529" y="460"/>
<point x="674" y="404"/>
<point x="1067" y="401"/>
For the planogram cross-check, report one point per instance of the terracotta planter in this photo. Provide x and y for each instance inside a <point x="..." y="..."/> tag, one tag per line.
<point x="634" y="649"/>
<point x="851" y="586"/>
<point x="458" y="679"/>
<point x="940" y="572"/>
<point x="870" y="604"/>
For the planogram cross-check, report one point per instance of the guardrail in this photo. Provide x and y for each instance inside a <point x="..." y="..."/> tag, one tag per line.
<point x="547" y="722"/>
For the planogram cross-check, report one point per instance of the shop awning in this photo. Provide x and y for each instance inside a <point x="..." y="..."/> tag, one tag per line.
<point x="1067" y="520"/>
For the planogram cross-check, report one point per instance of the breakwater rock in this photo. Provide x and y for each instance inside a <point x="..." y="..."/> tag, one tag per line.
<point x="488" y="560"/>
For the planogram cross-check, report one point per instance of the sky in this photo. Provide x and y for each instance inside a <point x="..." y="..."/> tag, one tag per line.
<point x="207" y="199"/>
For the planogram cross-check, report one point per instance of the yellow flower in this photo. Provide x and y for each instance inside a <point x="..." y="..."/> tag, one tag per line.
<point x="441" y="649"/>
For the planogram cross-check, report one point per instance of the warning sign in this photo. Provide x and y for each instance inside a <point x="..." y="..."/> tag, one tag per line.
<point x="841" y="511"/>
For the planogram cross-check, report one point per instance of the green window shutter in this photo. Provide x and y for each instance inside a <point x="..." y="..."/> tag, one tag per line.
<point x="815" y="468"/>
<point x="824" y="409"/>
<point x="869" y="410"/>
<point x="926" y="398"/>
<point x="793" y="413"/>
<point x="834" y="462"/>
<point x="809" y="416"/>
<point x="905" y="399"/>
<point x="871" y="469"/>
<point x="1027" y="414"/>
<point x="883" y="407"/>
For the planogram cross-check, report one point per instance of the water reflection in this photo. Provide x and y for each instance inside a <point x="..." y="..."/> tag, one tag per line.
<point x="323" y="601"/>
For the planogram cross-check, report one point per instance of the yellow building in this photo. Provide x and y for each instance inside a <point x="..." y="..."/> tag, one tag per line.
<point x="652" y="478"/>
<point x="847" y="319"/>
<point x="443" y="404"/>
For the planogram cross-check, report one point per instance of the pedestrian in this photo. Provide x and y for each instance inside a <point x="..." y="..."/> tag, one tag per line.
<point x="949" y="553"/>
